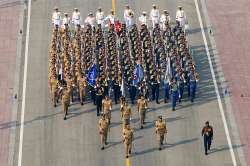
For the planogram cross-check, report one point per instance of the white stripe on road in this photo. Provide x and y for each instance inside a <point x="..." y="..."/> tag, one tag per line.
<point x="24" y="86"/>
<point x="216" y="86"/>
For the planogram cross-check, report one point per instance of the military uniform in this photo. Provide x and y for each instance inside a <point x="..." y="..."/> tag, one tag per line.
<point x="103" y="130"/>
<point x="141" y="108"/>
<point x="54" y="90"/>
<point x="106" y="108"/>
<point x="117" y="90"/>
<point x="160" y="130"/>
<point x="99" y="96"/>
<point x="65" y="102"/>
<point x="128" y="136"/>
<point x="207" y="133"/>
<point x="82" y="88"/>
<point x="126" y="115"/>
<point x="156" y="88"/>
<point x="175" y="95"/>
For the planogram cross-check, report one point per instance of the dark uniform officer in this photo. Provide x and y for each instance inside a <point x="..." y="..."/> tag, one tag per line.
<point x="207" y="133"/>
<point x="117" y="90"/>
<point x="132" y="91"/>
<point x="99" y="96"/>
<point x="155" y="88"/>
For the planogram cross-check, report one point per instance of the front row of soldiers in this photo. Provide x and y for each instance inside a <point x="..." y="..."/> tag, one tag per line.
<point x="128" y="132"/>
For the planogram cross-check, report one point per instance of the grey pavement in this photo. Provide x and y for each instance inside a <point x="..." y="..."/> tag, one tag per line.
<point x="51" y="141"/>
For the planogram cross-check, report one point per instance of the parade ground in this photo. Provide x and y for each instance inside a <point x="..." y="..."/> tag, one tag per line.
<point x="33" y="132"/>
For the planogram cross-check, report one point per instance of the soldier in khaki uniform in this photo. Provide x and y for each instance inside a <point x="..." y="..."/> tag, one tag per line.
<point x="141" y="108"/>
<point x="103" y="130"/>
<point x="54" y="89"/>
<point x="126" y="114"/>
<point x="66" y="102"/>
<point x="128" y="136"/>
<point x="106" y="108"/>
<point x="160" y="130"/>
<point x="122" y="104"/>
<point x="82" y="83"/>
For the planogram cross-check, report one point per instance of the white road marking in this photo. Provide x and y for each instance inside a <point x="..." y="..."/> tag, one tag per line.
<point x="216" y="86"/>
<point x="24" y="86"/>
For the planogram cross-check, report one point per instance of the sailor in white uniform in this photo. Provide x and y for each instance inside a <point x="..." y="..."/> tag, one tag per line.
<point x="56" y="17"/>
<point x="143" y="19"/>
<point x="76" y="17"/>
<point x="155" y="15"/>
<point x="66" y="20"/>
<point x="110" y="19"/>
<point x="130" y="20"/>
<point x="90" y="19"/>
<point x="181" y="17"/>
<point x="127" y="15"/>
<point x="100" y="17"/>
<point x="165" y="19"/>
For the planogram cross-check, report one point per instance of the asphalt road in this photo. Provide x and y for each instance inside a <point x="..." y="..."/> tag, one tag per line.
<point x="51" y="141"/>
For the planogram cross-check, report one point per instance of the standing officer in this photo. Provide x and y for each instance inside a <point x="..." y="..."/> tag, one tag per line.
<point x="76" y="16"/>
<point x="103" y="130"/>
<point x="126" y="14"/>
<point x="175" y="95"/>
<point x="207" y="133"/>
<point x="100" y="17"/>
<point x="128" y="136"/>
<point x="165" y="20"/>
<point x="166" y="88"/>
<point x="155" y="15"/>
<point x="99" y="101"/>
<point x="66" y="20"/>
<point x="181" y="17"/>
<point x="193" y="78"/>
<point x="156" y="87"/>
<point x="90" y="20"/>
<point x="56" y="17"/>
<point x="143" y="18"/>
<point x="132" y="91"/>
<point x="106" y="108"/>
<point x="111" y="17"/>
<point x="117" y="90"/>
<point x="141" y="108"/>
<point x="160" y="130"/>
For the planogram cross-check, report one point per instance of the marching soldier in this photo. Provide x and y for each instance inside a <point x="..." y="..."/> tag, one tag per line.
<point x="128" y="136"/>
<point x="82" y="84"/>
<point x="99" y="101"/>
<point x="123" y="105"/>
<point x="160" y="130"/>
<point x="100" y="17"/>
<point x="207" y="133"/>
<point x="66" y="102"/>
<point x="155" y="15"/>
<point x="132" y="91"/>
<point x="175" y="95"/>
<point x="106" y="108"/>
<point x="141" y="108"/>
<point x="103" y="130"/>
<point x="126" y="115"/>
<point x="193" y="78"/>
<point x="56" y="17"/>
<point x="54" y="89"/>
<point x="76" y="17"/>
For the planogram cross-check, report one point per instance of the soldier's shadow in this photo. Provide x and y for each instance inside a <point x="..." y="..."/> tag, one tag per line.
<point x="112" y="144"/>
<point x="168" y="145"/>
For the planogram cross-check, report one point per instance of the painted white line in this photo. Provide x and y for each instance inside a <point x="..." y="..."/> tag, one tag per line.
<point x="216" y="86"/>
<point x="24" y="86"/>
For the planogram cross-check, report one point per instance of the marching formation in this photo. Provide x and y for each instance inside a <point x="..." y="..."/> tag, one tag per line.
<point x="106" y="57"/>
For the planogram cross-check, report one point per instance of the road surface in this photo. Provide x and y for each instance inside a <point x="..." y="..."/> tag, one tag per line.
<point x="48" y="140"/>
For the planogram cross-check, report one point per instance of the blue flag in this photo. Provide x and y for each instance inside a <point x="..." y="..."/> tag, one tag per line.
<point x="92" y="75"/>
<point x="138" y="74"/>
